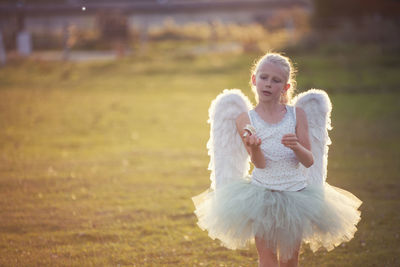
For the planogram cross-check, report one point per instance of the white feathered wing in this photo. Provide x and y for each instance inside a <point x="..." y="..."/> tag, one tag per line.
<point x="318" y="107"/>
<point x="229" y="159"/>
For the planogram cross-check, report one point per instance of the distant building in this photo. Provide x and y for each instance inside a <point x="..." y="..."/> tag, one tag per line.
<point x="143" y="13"/>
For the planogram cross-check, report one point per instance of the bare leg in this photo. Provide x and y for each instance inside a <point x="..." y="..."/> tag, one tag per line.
<point x="266" y="255"/>
<point x="293" y="261"/>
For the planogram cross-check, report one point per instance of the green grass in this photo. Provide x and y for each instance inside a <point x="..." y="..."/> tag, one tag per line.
<point x="99" y="161"/>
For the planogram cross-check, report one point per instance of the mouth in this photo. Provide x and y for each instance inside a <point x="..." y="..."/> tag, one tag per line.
<point x="267" y="93"/>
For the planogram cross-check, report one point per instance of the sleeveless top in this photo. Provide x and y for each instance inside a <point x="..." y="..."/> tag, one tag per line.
<point x="283" y="171"/>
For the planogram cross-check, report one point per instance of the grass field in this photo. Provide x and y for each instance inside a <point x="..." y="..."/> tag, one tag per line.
<point x="99" y="161"/>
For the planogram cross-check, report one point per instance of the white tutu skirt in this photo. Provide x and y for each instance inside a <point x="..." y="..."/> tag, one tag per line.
<point x="321" y="216"/>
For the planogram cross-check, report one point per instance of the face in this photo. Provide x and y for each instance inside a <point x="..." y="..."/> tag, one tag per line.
<point x="270" y="82"/>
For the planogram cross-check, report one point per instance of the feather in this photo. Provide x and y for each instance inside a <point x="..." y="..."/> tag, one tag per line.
<point x="318" y="107"/>
<point x="229" y="159"/>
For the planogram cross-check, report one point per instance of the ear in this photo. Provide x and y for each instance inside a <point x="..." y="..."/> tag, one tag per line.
<point x="287" y="86"/>
<point x="253" y="79"/>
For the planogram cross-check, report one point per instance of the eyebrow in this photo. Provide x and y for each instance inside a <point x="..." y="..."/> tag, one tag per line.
<point x="275" y="76"/>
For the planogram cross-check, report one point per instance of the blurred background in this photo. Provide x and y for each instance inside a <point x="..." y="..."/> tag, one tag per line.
<point x="129" y="27"/>
<point x="104" y="108"/>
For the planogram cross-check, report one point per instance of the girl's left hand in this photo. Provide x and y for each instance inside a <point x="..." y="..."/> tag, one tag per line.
<point x="291" y="141"/>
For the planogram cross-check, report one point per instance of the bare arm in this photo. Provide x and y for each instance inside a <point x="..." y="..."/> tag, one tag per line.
<point x="300" y="142"/>
<point x="252" y="143"/>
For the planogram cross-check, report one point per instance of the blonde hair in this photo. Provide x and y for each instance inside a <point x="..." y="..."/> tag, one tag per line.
<point x="287" y="67"/>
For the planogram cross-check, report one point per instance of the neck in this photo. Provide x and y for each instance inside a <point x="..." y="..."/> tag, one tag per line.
<point x="271" y="107"/>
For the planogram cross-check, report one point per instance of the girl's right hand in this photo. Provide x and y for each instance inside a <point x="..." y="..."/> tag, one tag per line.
<point x="252" y="141"/>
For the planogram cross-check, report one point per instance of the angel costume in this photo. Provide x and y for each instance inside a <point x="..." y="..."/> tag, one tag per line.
<point x="284" y="203"/>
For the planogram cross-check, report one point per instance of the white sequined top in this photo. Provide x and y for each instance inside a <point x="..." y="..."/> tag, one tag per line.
<point x="282" y="171"/>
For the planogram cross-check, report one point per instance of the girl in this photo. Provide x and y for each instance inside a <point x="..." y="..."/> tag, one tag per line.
<point x="285" y="201"/>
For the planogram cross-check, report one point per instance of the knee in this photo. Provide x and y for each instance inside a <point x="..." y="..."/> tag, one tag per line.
<point x="267" y="257"/>
<point x="267" y="261"/>
<point x="267" y="253"/>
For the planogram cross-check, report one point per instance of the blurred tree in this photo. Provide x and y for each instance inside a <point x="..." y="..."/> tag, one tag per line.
<point x="359" y="21"/>
<point x="113" y="27"/>
<point x="327" y="11"/>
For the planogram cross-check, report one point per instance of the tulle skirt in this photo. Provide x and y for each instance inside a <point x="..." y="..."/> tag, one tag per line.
<point x="321" y="216"/>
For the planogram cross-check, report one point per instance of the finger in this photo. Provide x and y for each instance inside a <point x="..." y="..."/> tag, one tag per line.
<point x="255" y="141"/>
<point x="247" y="141"/>
<point x="251" y="141"/>
<point x="290" y="138"/>
<point x="288" y="135"/>
<point x="290" y="142"/>
<point x="290" y="145"/>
